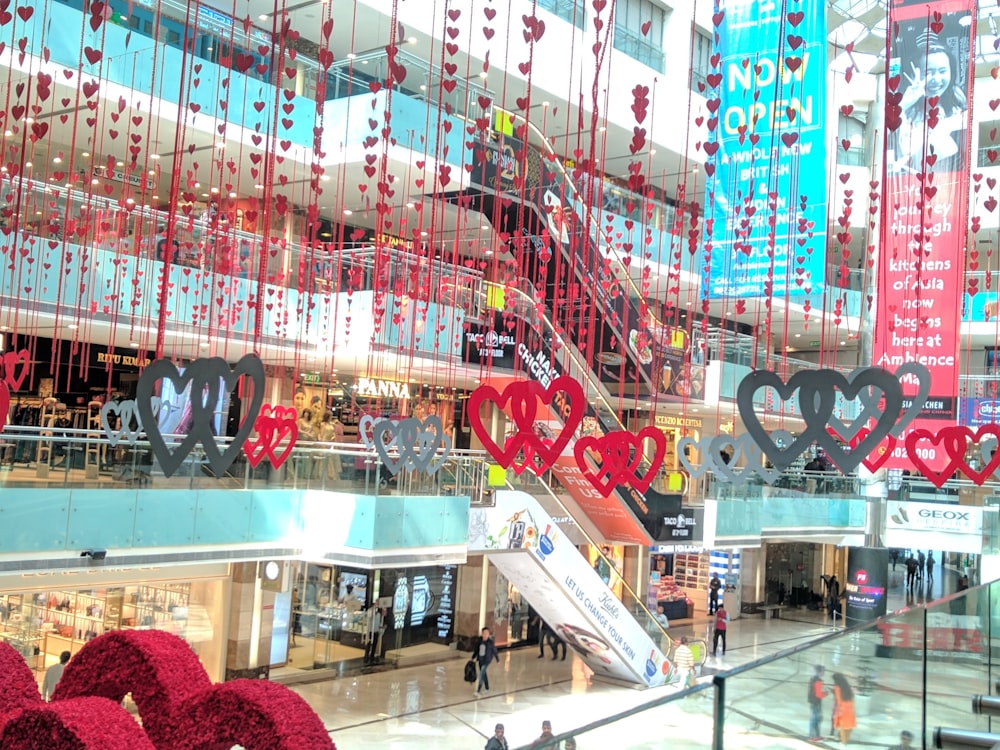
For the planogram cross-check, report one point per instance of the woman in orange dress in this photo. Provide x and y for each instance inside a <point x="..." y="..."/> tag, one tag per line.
<point x="844" y="718"/>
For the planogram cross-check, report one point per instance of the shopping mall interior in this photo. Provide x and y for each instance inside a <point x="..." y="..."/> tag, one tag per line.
<point x="577" y="320"/>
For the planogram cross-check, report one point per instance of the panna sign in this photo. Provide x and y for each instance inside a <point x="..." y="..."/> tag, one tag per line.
<point x="383" y="389"/>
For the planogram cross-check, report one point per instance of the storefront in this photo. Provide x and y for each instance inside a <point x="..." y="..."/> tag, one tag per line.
<point x="330" y="606"/>
<point x="43" y="615"/>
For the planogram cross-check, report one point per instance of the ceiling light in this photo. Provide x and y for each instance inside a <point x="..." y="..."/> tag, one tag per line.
<point x="203" y="345"/>
<point x="72" y="326"/>
<point x="154" y="157"/>
<point x="483" y="74"/>
<point x="120" y="163"/>
<point x="364" y="62"/>
<point x="652" y="152"/>
<point x="232" y="195"/>
<point x="348" y="212"/>
<point x="545" y="104"/>
<point x="156" y="197"/>
<point x="258" y="187"/>
<point x="130" y="201"/>
<point x="325" y="177"/>
<point x="798" y="335"/>
<point x="410" y="204"/>
<point x="151" y="173"/>
<point x="57" y="160"/>
<point x="262" y="17"/>
<point x="220" y="144"/>
<point x="488" y="252"/>
<point x="8" y="133"/>
<point x="215" y="190"/>
<point x="601" y="129"/>
<point x="423" y="234"/>
<point x="423" y="87"/>
<point x="29" y="120"/>
<point x="351" y="55"/>
<point x="134" y="344"/>
<point x="204" y="195"/>
<point x="843" y="343"/>
<point x="27" y="164"/>
<point x="412" y="40"/>
<point x="197" y="184"/>
<point x="85" y="154"/>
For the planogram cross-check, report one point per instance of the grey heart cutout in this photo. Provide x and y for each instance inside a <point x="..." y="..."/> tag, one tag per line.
<point x="702" y="446"/>
<point x="417" y="443"/>
<point x="127" y="411"/>
<point x="743" y="447"/>
<point x="869" y="401"/>
<point x="923" y="376"/>
<point x="366" y="425"/>
<point x="207" y="373"/>
<point x="821" y="385"/>
<point x="782" y="458"/>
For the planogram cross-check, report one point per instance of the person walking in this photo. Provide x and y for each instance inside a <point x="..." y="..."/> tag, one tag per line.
<point x="486" y="653"/>
<point x="930" y="566"/>
<point x="554" y="643"/>
<point x="53" y="674"/>
<point x="684" y="661"/>
<point x="497" y="741"/>
<point x="714" y="586"/>
<point x="543" y="634"/>
<point x="373" y="633"/>
<point x="721" y="623"/>
<point x="844" y="716"/>
<point x="833" y="598"/>
<point x="815" y="697"/>
<point x="545" y="738"/>
<point x="921" y="562"/>
<point x="911" y="570"/>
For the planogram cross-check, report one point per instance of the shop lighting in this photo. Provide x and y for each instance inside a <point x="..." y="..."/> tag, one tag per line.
<point x="57" y="160"/>
<point x="154" y="157"/>
<point x="120" y="163"/>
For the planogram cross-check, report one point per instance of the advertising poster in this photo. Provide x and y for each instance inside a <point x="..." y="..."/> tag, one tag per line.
<point x="564" y="588"/>
<point x="864" y="589"/>
<point x="935" y="526"/>
<point x="925" y="205"/>
<point x="766" y="224"/>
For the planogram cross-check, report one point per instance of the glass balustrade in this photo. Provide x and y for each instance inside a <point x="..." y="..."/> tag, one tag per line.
<point x="916" y="670"/>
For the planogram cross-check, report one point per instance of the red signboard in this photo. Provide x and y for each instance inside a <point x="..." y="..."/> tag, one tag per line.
<point x="924" y="206"/>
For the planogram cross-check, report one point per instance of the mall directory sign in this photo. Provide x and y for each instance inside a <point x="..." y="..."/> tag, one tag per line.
<point x="766" y="203"/>
<point x="924" y="205"/>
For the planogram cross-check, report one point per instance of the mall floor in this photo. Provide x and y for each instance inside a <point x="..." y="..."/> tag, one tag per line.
<point x="430" y="706"/>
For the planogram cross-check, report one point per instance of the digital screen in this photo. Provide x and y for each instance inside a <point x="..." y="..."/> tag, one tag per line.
<point x="176" y="416"/>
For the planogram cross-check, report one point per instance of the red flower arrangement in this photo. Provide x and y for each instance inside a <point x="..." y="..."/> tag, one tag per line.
<point x="79" y="724"/>
<point x="18" y="688"/>
<point x="179" y="706"/>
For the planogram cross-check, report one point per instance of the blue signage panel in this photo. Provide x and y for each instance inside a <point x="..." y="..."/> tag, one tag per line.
<point x="766" y="203"/>
<point x="975" y="412"/>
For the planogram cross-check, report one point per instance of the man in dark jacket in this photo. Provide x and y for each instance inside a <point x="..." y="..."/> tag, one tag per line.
<point x="815" y="696"/>
<point x="486" y="653"/>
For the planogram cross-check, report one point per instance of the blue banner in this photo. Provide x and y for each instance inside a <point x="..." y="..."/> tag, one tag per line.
<point x="975" y="412"/>
<point x="766" y="203"/>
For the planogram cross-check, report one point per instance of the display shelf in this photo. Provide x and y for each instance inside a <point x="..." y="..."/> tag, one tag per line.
<point x="691" y="571"/>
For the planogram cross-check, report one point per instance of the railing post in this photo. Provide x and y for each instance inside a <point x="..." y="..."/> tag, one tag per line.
<point x="719" y="713"/>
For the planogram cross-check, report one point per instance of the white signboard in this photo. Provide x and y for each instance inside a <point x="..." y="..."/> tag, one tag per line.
<point x="544" y="564"/>
<point x="936" y="526"/>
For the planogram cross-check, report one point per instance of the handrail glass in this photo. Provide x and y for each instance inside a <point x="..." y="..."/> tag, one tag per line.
<point x="916" y="669"/>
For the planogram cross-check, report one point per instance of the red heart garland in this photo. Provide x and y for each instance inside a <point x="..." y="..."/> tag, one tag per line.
<point x="956" y="439"/>
<point x="4" y="404"/>
<point x="950" y="438"/>
<point x="883" y="450"/>
<point x="273" y="424"/>
<point x="521" y="400"/>
<point x="621" y="458"/>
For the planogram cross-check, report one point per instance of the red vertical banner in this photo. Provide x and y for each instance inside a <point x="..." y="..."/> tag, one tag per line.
<point x="925" y="204"/>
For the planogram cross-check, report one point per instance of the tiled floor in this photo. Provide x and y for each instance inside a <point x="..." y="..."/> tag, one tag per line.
<point x="431" y="707"/>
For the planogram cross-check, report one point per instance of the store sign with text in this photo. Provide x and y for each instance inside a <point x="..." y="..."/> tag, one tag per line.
<point x="493" y="345"/>
<point x="925" y="204"/>
<point x="938" y="526"/>
<point x="865" y="587"/>
<point x="766" y="216"/>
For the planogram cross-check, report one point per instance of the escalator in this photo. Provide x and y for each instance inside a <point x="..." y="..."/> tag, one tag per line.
<point x="522" y="197"/>
<point x="524" y="544"/>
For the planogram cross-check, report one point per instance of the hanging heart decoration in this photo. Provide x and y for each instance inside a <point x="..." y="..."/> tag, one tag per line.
<point x="274" y="425"/>
<point x="412" y="444"/>
<point x="206" y="378"/>
<point x="743" y="446"/>
<point x="955" y="440"/>
<point x="11" y="376"/>
<point x="535" y="437"/>
<point x="128" y="413"/>
<point x="620" y="455"/>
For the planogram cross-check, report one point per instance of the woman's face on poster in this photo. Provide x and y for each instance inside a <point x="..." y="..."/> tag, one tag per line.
<point x="938" y="73"/>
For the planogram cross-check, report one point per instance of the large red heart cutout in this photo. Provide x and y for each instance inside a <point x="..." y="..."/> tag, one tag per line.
<point x="621" y="459"/>
<point x="953" y="440"/>
<point x="882" y="451"/>
<point x="273" y="425"/>
<point x="520" y="400"/>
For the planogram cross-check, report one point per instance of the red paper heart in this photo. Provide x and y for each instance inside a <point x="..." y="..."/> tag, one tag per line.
<point x="520" y="400"/>
<point x="621" y="459"/>
<point x="948" y="440"/>
<point x="273" y="425"/>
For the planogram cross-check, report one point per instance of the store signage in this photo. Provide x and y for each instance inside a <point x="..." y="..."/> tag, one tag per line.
<point x="864" y="589"/>
<point x="937" y="526"/>
<point x="671" y="420"/>
<point x="676" y="549"/>
<point x="770" y="154"/>
<point x="975" y="412"/>
<point x="128" y="360"/>
<point x="446" y="604"/>
<point x="924" y="226"/>
<point x="118" y="175"/>
<point x="376" y="388"/>
<point x="311" y="378"/>
<point x="680" y="525"/>
<point x="490" y="345"/>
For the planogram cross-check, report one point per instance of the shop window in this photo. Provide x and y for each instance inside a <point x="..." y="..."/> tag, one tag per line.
<point x="647" y="48"/>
